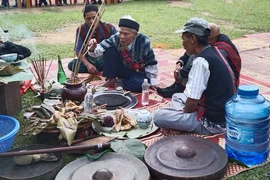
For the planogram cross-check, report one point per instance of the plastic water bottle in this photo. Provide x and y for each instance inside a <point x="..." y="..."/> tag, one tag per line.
<point x="247" y="123"/>
<point x="145" y="92"/>
<point x="88" y="101"/>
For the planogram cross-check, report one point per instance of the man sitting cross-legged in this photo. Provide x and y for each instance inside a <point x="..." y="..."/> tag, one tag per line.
<point x="128" y="56"/>
<point x="200" y="109"/>
<point x="183" y="65"/>
<point x="103" y="31"/>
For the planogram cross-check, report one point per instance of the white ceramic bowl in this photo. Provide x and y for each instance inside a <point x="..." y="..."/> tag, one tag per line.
<point x="9" y="57"/>
<point x="106" y="129"/>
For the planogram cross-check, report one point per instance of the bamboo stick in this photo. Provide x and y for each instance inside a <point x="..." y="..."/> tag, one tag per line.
<point x="76" y="46"/>
<point x="88" y="37"/>
<point x="92" y="33"/>
<point x="244" y="16"/>
<point x="54" y="150"/>
<point x="82" y="49"/>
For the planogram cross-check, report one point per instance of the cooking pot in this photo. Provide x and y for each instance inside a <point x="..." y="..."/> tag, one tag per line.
<point x="186" y="157"/>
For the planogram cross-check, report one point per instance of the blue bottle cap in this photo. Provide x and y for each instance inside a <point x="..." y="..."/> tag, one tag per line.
<point x="249" y="90"/>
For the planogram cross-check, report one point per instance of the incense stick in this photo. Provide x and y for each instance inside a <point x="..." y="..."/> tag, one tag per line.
<point x="39" y="66"/>
<point x="48" y="69"/>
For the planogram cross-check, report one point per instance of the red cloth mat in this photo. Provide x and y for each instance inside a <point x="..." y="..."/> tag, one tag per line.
<point x="166" y="63"/>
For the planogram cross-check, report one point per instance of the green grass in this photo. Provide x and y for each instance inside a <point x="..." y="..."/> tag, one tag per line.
<point x="158" y="20"/>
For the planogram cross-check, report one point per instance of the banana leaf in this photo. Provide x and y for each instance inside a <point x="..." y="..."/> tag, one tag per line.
<point x="133" y="133"/>
<point x="133" y="147"/>
<point x="7" y="69"/>
<point x="68" y="128"/>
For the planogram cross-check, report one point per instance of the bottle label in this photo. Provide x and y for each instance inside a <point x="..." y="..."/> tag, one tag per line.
<point x="241" y="136"/>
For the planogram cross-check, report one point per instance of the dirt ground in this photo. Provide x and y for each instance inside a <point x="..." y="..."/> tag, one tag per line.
<point x="68" y="32"/>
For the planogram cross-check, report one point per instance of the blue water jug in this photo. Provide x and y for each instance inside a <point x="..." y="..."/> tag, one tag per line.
<point x="247" y="126"/>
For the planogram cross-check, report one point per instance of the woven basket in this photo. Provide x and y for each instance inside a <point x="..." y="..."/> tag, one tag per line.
<point x="9" y="127"/>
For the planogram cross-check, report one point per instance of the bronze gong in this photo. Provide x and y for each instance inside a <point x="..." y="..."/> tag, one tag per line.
<point x="186" y="157"/>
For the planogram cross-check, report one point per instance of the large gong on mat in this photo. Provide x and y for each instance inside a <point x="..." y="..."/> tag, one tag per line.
<point x="120" y="166"/>
<point x="35" y="171"/>
<point x="186" y="157"/>
<point x="115" y="99"/>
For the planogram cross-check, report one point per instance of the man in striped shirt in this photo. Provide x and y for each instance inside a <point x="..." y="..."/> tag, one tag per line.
<point x="128" y="57"/>
<point x="200" y="109"/>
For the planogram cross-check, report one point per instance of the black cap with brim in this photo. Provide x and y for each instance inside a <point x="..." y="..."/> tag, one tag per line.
<point x="129" y="24"/>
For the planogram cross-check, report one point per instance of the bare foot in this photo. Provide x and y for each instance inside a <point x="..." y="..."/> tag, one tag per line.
<point x="92" y="77"/>
<point x="109" y="83"/>
<point x="170" y="132"/>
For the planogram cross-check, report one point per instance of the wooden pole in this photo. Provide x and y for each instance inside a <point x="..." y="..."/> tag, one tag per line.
<point x="54" y="150"/>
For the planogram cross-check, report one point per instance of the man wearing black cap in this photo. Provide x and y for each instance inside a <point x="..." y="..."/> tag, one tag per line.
<point x="200" y="109"/>
<point x="128" y="56"/>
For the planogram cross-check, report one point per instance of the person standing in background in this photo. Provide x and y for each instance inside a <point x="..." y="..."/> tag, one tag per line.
<point x="60" y="2"/>
<point x="5" y="3"/>
<point x="42" y="1"/>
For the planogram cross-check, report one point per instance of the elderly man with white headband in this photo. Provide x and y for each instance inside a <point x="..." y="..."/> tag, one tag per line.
<point x="128" y="56"/>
